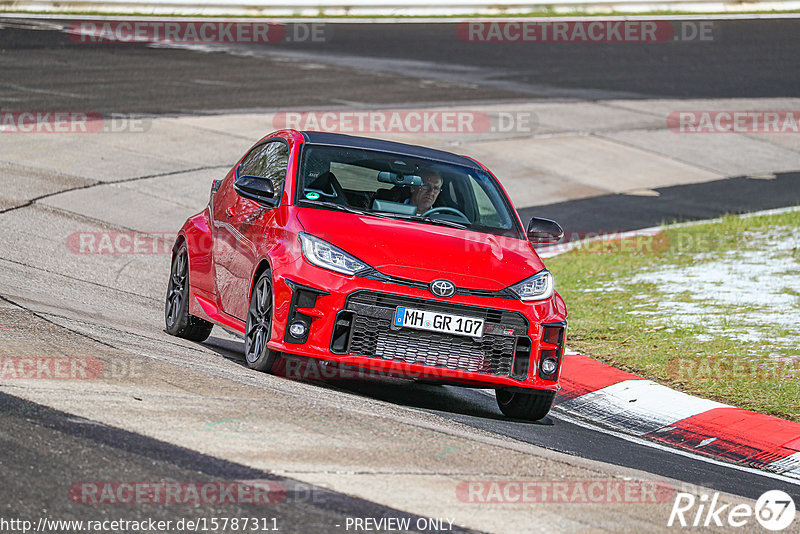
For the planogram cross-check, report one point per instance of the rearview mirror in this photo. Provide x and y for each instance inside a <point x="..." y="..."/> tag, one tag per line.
<point x="544" y="231"/>
<point x="394" y="178"/>
<point x="255" y="188"/>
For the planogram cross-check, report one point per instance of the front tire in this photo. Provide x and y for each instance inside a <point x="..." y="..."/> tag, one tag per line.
<point x="176" y="308"/>
<point x="258" y="328"/>
<point x="528" y="406"/>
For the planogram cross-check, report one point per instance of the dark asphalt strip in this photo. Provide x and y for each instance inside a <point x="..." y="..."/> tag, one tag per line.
<point x="44" y="453"/>
<point x="45" y="70"/>
<point x="742" y="59"/>
<point x="620" y="213"/>
<point x="414" y="63"/>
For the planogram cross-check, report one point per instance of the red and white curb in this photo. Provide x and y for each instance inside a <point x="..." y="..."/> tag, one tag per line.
<point x="623" y="402"/>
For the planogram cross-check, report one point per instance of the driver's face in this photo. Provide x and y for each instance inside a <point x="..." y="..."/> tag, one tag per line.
<point x="425" y="195"/>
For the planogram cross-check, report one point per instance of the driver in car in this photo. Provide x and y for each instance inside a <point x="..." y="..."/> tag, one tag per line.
<point x="425" y="195"/>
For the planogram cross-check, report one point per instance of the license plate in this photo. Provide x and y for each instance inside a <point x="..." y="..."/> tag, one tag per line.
<point x="438" y="322"/>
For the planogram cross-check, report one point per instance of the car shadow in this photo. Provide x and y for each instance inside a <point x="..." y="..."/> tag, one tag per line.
<point x="229" y="349"/>
<point x="466" y="402"/>
<point x="451" y="400"/>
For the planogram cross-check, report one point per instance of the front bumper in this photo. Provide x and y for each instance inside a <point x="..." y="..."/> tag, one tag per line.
<point x="350" y="322"/>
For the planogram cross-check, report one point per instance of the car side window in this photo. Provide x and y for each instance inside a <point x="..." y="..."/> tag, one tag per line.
<point x="267" y="160"/>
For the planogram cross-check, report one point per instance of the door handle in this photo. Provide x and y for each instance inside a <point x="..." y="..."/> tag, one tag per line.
<point x="229" y="213"/>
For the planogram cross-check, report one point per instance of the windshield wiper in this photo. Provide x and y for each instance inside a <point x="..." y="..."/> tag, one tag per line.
<point x="429" y="220"/>
<point x="350" y="209"/>
<point x="443" y="222"/>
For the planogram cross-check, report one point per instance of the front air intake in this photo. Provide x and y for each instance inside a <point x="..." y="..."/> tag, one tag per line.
<point x="551" y="349"/>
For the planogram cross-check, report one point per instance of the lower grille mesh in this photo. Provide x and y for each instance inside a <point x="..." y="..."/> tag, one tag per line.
<point x="372" y="335"/>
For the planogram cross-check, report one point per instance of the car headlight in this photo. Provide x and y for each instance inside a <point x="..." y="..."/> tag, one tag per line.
<point x="323" y="254"/>
<point x="537" y="287"/>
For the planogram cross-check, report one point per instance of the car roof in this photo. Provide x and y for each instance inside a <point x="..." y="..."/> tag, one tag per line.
<point x="337" y="139"/>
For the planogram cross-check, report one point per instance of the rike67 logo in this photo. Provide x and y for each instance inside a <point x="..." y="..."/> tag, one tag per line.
<point x="774" y="510"/>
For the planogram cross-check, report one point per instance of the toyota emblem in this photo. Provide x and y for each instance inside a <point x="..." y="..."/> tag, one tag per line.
<point x="443" y="288"/>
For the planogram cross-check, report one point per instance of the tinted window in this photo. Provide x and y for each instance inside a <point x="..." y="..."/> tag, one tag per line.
<point x="404" y="187"/>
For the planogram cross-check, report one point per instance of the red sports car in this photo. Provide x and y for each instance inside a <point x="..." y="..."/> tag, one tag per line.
<point x="377" y="255"/>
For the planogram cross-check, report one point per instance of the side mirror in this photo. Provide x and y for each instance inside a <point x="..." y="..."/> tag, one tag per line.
<point x="544" y="231"/>
<point x="255" y="188"/>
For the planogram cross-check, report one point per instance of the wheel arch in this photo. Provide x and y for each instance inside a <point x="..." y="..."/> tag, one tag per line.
<point x="196" y="234"/>
<point x="180" y="239"/>
<point x="263" y="265"/>
<point x="179" y="319"/>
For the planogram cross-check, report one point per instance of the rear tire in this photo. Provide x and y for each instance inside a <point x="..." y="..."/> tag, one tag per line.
<point x="529" y="406"/>
<point x="176" y="309"/>
<point x="258" y="328"/>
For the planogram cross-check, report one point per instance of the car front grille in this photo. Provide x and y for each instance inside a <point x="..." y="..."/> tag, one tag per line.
<point x="368" y="315"/>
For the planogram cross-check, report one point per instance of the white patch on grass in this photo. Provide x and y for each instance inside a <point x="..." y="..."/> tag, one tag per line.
<point x="743" y="294"/>
<point x="601" y="287"/>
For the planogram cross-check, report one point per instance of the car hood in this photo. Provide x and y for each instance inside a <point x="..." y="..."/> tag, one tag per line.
<point x="424" y="252"/>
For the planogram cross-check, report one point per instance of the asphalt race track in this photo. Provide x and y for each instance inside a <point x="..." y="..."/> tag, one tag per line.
<point x="33" y="435"/>
<point x="677" y="203"/>
<point x="373" y="65"/>
<point x="45" y="450"/>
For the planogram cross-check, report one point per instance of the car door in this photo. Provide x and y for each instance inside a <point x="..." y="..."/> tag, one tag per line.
<point x="240" y="222"/>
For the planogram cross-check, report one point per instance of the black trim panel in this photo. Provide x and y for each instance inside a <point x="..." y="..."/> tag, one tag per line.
<point x="302" y="297"/>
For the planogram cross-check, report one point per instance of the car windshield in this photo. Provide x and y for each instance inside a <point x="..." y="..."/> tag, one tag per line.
<point x="403" y="187"/>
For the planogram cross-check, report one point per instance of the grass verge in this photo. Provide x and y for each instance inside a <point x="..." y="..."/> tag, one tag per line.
<point x="712" y="309"/>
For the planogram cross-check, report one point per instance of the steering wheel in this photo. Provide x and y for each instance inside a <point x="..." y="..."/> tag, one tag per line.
<point x="445" y="209"/>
